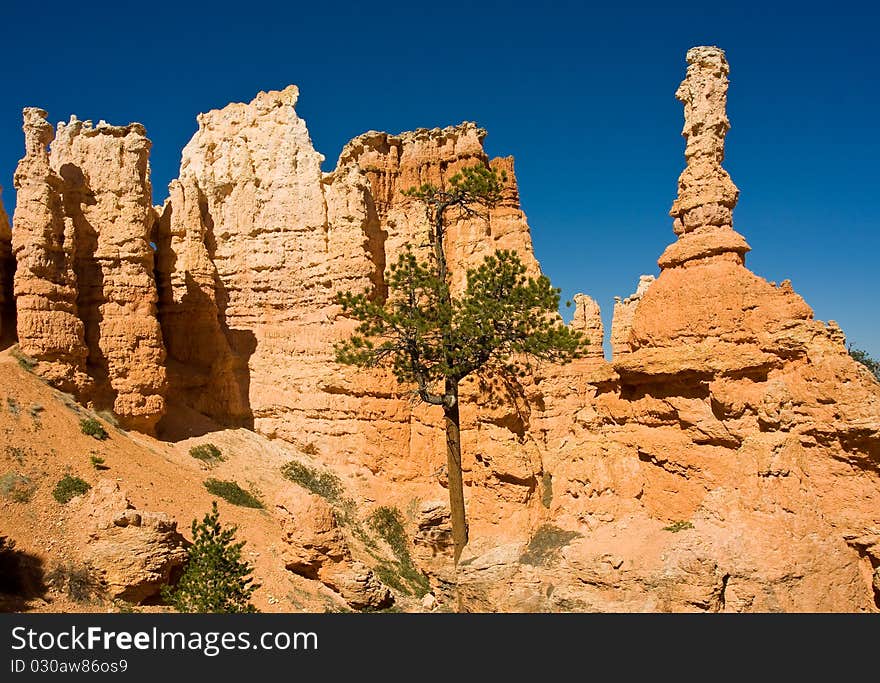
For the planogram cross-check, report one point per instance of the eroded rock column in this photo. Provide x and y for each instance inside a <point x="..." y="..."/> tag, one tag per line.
<point x="84" y="284"/>
<point x="44" y="244"/>
<point x="107" y="199"/>
<point x="588" y="319"/>
<point x="703" y="211"/>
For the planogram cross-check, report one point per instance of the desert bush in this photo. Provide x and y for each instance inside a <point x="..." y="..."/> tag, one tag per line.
<point x="216" y="579"/>
<point x="98" y="463"/>
<point x="25" y="362"/>
<point x="233" y="493"/>
<point x="324" y="484"/>
<point x="12" y="406"/>
<point x="17" y="487"/>
<point x="91" y="427"/>
<point x="76" y="580"/>
<point x="69" y="488"/>
<point x="207" y="452"/>
<point x="17" y="453"/>
<point x="679" y="525"/>
<point x="387" y="522"/>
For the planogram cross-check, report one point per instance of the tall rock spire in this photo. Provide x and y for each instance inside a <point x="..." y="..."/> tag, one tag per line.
<point x="703" y="211"/>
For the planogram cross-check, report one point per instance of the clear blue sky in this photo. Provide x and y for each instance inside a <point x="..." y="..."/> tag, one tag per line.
<point x="582" y="96"/>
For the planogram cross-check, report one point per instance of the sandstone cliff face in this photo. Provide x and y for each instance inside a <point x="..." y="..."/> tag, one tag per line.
<point x="108" y="199"/>
<point x="85" y="289"/>
<point x="393" y="163"/>
<point x="255" y="242"/>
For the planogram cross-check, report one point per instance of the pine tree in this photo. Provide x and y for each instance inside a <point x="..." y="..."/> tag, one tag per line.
<point x="216" y="580"/>
<point x="433" y="339"/>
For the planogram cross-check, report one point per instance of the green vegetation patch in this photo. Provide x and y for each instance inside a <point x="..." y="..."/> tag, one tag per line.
<point x="216" y="579"/>
<point x="679" y="525"/>
<point x="324" y="484"/>
<point x="545" y="543"/>
<point x="207" y="452"/>
<point x="403" y="575"/>
<point x="91" y="427"/>
<point x="233" y="493"/>
<point x="69" y="488"/>
<point x="25" y="362"/>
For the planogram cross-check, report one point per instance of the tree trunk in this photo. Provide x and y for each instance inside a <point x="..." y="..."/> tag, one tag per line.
<point x="453" y="467"/>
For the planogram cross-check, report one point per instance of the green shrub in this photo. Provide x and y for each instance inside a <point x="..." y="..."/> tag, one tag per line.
<point x="387" y="522"/>
<point x="679" y="525"/>
<point x="865" y="359"/>
<point x="91" y="427"/>
<point x="545" y="543"/>
<point x="12" y="405"/>
<point x="69" y="488"/>
<point x="216" y="579"/>
<point x="207" y="452"/>
<point x="16" y="487"/>
<point x="98" y="463"/>
<point x="76" y="580"/>
<point x="233" y="493"/>
<point x="324" y="484"/>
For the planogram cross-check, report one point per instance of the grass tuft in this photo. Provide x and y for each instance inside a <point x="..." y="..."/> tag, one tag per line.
<point x="17" y="487"/>
<point x="233" y="493"/>
<point x="677" y="526"/>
